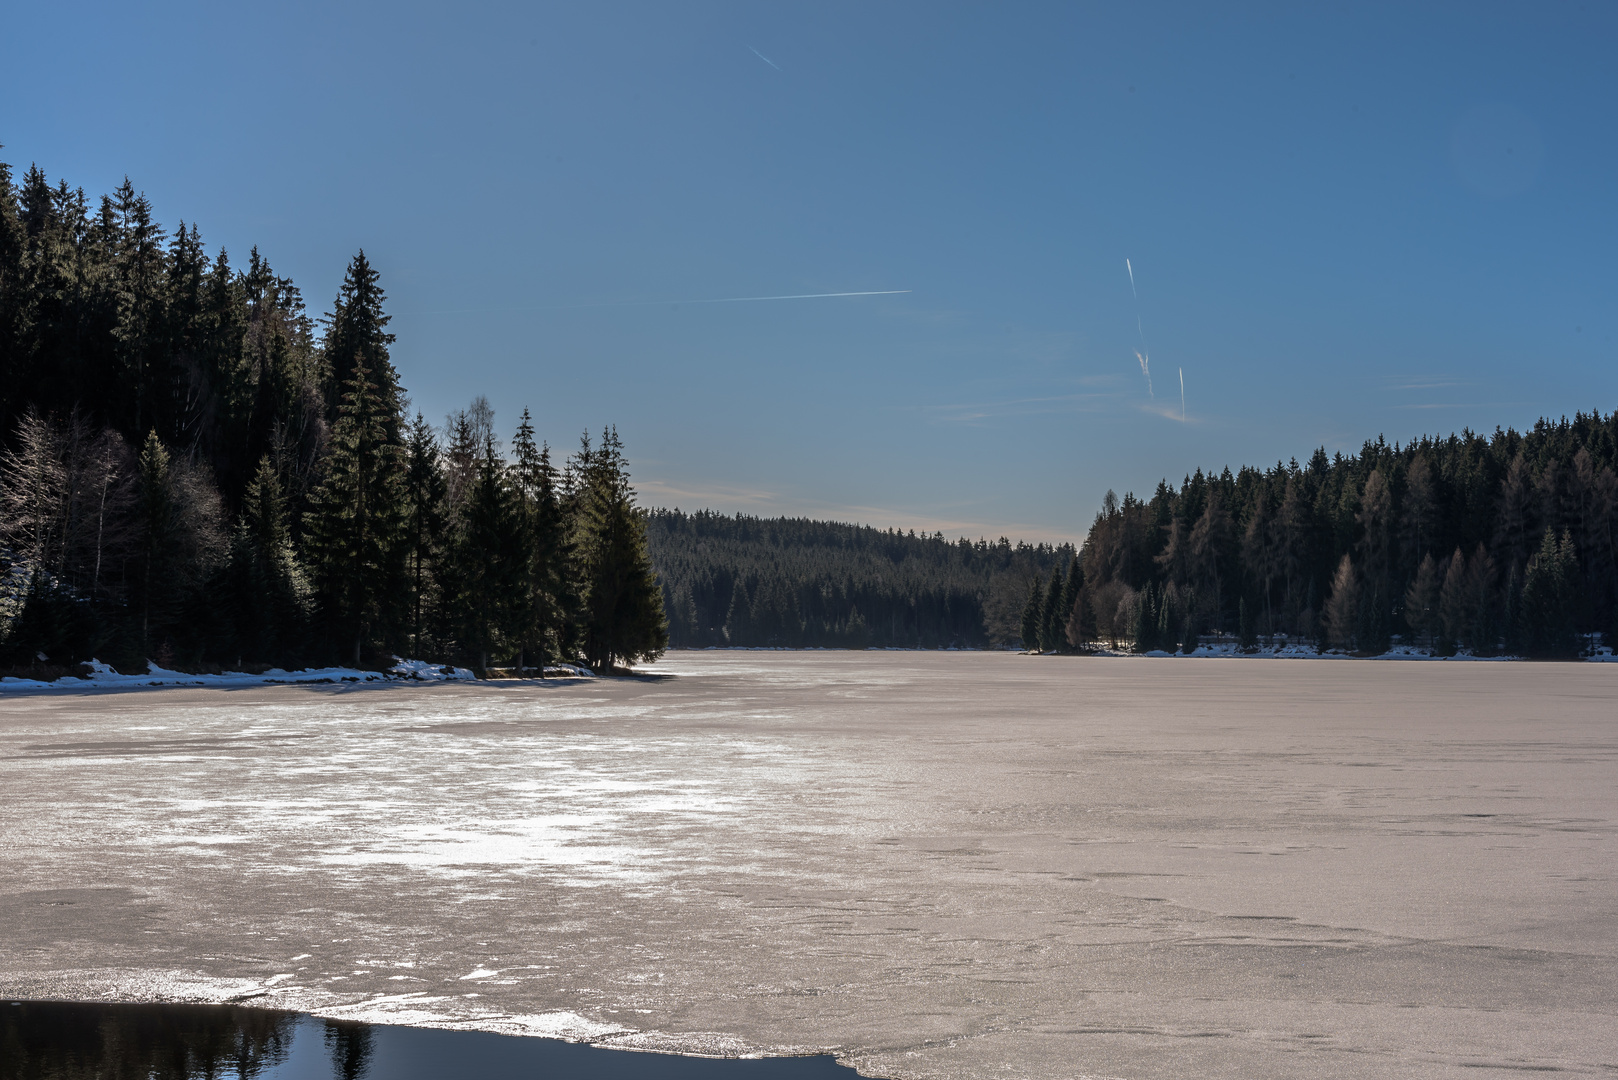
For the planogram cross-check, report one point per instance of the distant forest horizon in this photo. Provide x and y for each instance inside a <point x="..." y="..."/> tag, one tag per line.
<point x="1497" y="544"/>
<point x="194" y="471"/>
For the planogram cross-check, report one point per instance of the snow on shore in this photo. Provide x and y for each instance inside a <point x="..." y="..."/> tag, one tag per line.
<point x="102" y="676"/>
<point x="1302" y="651"/>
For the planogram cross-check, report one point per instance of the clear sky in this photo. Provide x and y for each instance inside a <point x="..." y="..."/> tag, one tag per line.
<point x="1342" y="222"/>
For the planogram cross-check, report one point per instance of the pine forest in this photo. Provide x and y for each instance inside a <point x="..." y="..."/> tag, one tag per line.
<point x="1499" y="544"/>
<point x="195" y="472"/>
<point x="795" y="583"/>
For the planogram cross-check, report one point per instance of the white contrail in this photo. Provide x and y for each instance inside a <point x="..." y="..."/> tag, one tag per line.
<point x="1140" y="353"/>
<point x="766" y="59"/>
<point x="797" y="296"/>
<point x="659" y="303"/>
<point x="1182" y="395"/>
<point x="744" y="299"/>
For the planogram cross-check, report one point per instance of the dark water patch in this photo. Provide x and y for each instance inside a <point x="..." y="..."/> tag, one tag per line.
<point x="48" y="1040"/>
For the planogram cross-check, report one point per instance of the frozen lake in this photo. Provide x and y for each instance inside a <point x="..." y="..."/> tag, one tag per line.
<point x="936" y="865"/>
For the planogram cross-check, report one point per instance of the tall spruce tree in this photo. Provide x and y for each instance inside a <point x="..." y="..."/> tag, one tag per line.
<point x="622" y="611"/>
<point x="1143" y="628"/>
<point x="354" y="529"/>
<point x="159" y="520"/>
<point x="425" y="492"/>
<point x="547" y="603"/>
<point x="1550" y="599"/>
<point x="139" y="290"/>
<point x="489" y="555"/>
<point x="267" y="587"/>
<point x="356" y="336"/>
<point x="1051" y="623"/>
<point x="1032" y="617"/>
<point x="1072" y="586"/>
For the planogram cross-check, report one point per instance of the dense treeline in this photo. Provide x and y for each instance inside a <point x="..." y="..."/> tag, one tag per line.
<point x="191" y="473"/>
<point x="800" y="583"/>
<point x="1493" y="544"/>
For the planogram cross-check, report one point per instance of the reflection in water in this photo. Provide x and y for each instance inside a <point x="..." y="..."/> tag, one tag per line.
<point x="47" y="1040"/>
<point x="350" y="1045"/>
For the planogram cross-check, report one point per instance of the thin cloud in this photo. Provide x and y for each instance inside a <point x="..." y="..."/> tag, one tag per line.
<point x="971" y="412"/>
<point x="1434" y="380"/>
<point x="1166" y="410"/>
<point x="766" y="59"/>
<point x="671" y="494"/>
<point x="1463" y="405"/>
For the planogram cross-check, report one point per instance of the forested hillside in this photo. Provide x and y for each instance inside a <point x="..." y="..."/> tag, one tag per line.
<point x="192" y="470"/>
<point x="795" y="582"/>
<point x="1485" y="543"/>
<point x="195" y="471"/>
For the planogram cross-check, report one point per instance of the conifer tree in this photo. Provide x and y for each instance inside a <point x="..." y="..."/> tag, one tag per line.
<point x="1032" y="617"/>
<point x="548" y="603"/>
<point x="1482" y="603"/>
<point x="1072" y="586"/>
<point x="355" y="525"/>
<point x="1188" y="628"/>
<point x="1144" y="623"/>
<point x="1343" y="606"/>
<point x="181" y="543"/>
<point x="1454" y="609"/>
<point x="14" y="303"/>
<point x="1373" y="633"/>
<point x="1050" y="623"/>
<point x="622" y="611"/>
<point x="357" y="337"/>
<point x="139" y="291"/>
<point x="490" y="557"/>
<point x="425" y="493"/>
<point x="1246" y="633"/>
<point x="268" y="587"/>
<point x="1549" y="598"/>
<point x="739" y="615"/>
<point x="159" y="521"/>
<point x="1422" y="601"/>
<point x="1079" y="630"/>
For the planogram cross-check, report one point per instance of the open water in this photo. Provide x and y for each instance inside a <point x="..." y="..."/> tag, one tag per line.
<point x="49" y="1040"/>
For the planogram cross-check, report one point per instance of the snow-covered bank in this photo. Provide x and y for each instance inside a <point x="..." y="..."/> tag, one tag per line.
<point x="102" y="676"/>
<point x="1302" y="651"/>
<point x="1225" y="649"/>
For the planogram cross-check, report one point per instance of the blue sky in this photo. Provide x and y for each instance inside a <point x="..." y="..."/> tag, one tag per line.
<point x="1343" y="222"/>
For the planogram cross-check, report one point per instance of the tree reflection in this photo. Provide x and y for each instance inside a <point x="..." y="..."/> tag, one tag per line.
<point x="350" y="1045"/>
<point x="41" y="1040"/>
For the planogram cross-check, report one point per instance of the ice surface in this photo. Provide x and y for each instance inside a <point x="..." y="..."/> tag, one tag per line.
<point x="937" y="865"/>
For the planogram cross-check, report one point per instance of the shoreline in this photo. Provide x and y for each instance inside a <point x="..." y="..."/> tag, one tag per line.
<point x="416" y="672"/>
